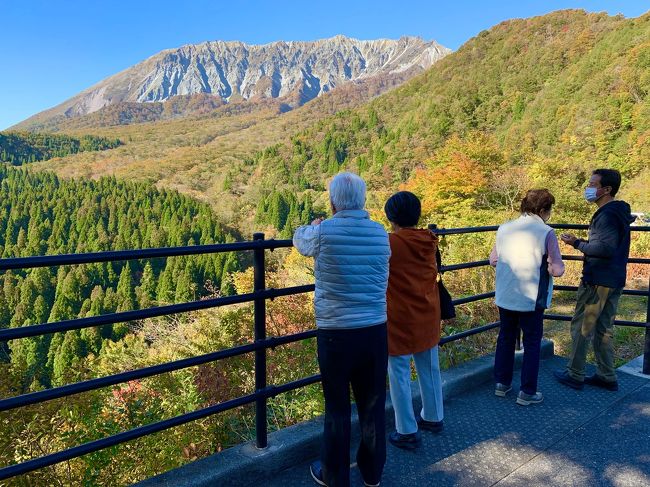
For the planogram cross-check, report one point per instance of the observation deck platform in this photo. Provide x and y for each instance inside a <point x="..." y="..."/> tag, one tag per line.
<point x="585" y="438"/>
<point x="579" y="438"/>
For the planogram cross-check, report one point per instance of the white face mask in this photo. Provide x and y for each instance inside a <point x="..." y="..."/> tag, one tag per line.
<point x="590" y="194"/>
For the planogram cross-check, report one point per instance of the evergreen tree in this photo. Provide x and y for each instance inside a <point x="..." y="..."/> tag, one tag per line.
<point x="11" y="290"/>
<point x="185" y="289"/>
<point x="96" y="302"/>
<point x="125" y="291"/>
<point x="67" y="358"/>
<point x="91" y="339"/>
<point x="53" y="350"/>
<point x="29" y="358"/>
<point x="165" y="289"/>
<point x="146" y="292"/>
<point x="5" y="318"/>
<point x="67" y="299"/>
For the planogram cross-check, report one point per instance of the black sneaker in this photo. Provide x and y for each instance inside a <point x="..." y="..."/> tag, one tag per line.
<point x="316" y="470"/>
<point x="407" y="442"/>
<point x="433" y="426"/>
<point x="596" y="380"/>
<point x="563" y="377"/>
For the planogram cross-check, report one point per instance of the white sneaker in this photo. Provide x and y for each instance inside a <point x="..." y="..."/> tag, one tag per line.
<point x="501" y="389"/>
<point x="524" y="399"/>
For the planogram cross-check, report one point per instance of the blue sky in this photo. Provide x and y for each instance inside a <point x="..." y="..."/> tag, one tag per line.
<point x="52" y="49"/>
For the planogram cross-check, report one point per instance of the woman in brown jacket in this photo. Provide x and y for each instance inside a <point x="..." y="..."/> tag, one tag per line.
<point x="413" y="321"/>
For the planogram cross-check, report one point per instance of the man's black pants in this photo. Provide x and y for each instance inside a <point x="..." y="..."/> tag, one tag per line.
<point x="356" y="357"/>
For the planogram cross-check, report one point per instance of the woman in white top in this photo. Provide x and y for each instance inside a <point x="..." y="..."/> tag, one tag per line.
<point x="526" y="256"/>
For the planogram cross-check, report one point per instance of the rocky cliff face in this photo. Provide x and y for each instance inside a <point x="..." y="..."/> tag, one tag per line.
<point x="232" y="71"/>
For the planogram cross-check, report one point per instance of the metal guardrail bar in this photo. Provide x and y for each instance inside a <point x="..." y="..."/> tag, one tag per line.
<point x="466" y="333"/>
<point x="261" y="344"/>
<point x="471" y="299"/>
<point x="493" y="228"/>
<point x="467" y="265"/>
<point x="627" y="292"/>
<point x="631" y="260"/>
<point x="124" y="316"/>
<point x="118" y="255"/>
<point x="139" y="432"/>
<point x="646" y="340"/>
<point x="638" y="324"/>
<point x="480" y="263"/>
<point x="458" y="231"/>
<point x="259" y="318"/>
<point x="568" y="226"/>
<point x="92" y="384"/>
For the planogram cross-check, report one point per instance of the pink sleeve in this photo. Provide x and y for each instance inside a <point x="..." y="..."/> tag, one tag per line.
<point x="556" y="266"/>
<point x="493" y="256"/>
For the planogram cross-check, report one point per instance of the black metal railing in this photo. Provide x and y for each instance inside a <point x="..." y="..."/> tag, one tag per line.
<point x="259" y="346"/>
<point x="547" y="316"/>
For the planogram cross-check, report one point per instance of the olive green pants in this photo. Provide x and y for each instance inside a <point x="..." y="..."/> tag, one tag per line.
<point x="593" y="321"/>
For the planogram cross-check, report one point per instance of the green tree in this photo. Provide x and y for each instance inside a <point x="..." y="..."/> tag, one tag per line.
<point x="67" y="358"/>
<point x="125" y="290"/>
<point x="146" y="292"/>
<point x="67" y="300"/>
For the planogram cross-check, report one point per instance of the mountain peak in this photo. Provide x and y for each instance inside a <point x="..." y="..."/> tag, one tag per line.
<point x="300" y="70"/>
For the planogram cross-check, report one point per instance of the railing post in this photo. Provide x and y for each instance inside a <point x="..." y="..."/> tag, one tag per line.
<point x="646" y="347"/>
<point x="259" y="284"/>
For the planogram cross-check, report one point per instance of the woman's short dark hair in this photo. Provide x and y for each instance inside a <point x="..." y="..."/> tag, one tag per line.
<point x="609" y="177"/>
<point x="403" y="209"/>
<point x="537" y="200"/>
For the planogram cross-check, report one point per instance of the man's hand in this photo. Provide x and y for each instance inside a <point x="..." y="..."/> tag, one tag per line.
<point x="568" y="238"/>
<point x="317" y="221"/>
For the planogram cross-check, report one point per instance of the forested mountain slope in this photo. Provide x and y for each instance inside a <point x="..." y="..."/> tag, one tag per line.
<point x="41" y="214"/>
<point x="18" y="148"/>
<point x="538" y="101"/>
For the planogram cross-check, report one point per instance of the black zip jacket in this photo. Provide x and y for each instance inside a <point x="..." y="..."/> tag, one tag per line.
<point x="608" y="248"/>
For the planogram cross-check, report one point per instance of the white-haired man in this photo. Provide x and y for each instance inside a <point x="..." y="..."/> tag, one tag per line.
<point x="351" y="255"/>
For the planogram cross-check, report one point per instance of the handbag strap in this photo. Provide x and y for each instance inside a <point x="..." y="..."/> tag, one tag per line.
<point x="432" y="227"/>
<point x="439" y="261"/>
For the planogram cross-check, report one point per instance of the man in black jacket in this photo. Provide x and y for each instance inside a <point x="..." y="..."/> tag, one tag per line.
<point x="603" y="278"/>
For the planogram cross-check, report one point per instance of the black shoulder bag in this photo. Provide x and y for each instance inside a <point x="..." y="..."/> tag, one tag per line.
<point x="447" y="310"/>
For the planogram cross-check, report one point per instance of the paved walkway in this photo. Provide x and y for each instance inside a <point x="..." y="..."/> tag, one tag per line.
<point x="578" y="438"/>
